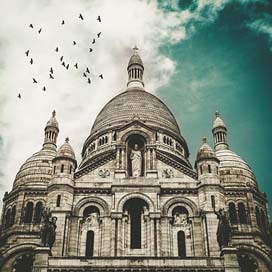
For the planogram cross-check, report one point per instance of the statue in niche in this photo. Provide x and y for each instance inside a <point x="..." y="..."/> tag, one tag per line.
<point x="180" y="219"/>
<point x="136" y="161"/>
<point x="92" y="218"/>
<point x="223" y="229"/>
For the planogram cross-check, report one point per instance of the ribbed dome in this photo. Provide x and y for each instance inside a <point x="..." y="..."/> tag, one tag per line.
<point x="205" y="151"/>
<point x="232" y="164"/>
<point x="36" y="170"/>
<point x="53" y="121"/>
<point x="135" y="104"/>
<point x="66" y="150"/>
<point x="135" y="59"/>
<point x="218" y="122"/>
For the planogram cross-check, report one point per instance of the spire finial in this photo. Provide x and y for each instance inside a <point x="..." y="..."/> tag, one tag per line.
<point x="67" y="140"/>
<point x="204" y="140"/>
<point x="135" y="49"/>
<point x="217" y="113"/>
<point x="53" y="113"/>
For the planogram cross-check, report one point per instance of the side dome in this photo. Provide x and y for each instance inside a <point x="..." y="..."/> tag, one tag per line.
<point x="205" y="151"/>
<point x="66" y="151"/>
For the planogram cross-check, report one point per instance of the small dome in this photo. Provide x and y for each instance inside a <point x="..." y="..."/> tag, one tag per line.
<point x="218" y="122"/>
<point x="37" y="170"/>
<point x="232" y="164"/>
<point x="205" y="151"/>
<point x="53" y="121"/>
<point x="135" y="58"/>
<point x="66" y="150"/>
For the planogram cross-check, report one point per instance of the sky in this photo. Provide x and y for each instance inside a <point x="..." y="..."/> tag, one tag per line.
<point x="199" y="56"/>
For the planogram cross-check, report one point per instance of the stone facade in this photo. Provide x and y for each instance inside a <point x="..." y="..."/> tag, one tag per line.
<point x="107" y="219"/>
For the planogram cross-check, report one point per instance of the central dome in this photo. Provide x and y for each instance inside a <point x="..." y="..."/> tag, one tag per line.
<point x="135" y="104"/>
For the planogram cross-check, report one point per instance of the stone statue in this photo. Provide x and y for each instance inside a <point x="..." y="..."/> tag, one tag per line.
<point x="48" y="230"/>
<point x="223" y="229"/>
<point x="180" y="219"/>
<point x="136" y="161"/>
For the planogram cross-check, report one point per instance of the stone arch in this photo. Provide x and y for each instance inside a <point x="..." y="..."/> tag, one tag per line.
<point x="176" y="201"/>
<point x="257" y="252"/>
<point x="125" y="137"/>
<point x="100" y="203"/>
<point x="124" y="199"/>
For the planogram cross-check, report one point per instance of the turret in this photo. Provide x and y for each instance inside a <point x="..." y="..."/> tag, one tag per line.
<point x="51" y="132"/>
<point x="135" y="70"/>
<point x="219" y="133"/>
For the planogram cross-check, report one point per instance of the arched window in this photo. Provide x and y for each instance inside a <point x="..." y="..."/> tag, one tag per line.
<point x="181" y="244"/>
<point x="201" y="170"/>
<point x="258" y="216"/>
<point x="213" y="201"/>
<point x="164" y="139"/>
<point x="38" y="213"/>
<point x="71" y="169"/>
<point x="114" y="136"/>
<point x="106" y="139"/>
<point x="263" y="219"/>
<point x="242" y="213"/>
<point x="232" y="213"/>
<point x="247" y="263"/>
<point x="58" y="201"/>
<point x="12" y="216"/>
<point x="23" y="263"/>
<point x="89" y="244"/>
<point x="54" y="171"/>
<point x="7" y="218"/>
<point x="90" y="210"/>
<point x="62" y="168"/>
<point x="28" y="213"/>
<point x="209" y="168"/>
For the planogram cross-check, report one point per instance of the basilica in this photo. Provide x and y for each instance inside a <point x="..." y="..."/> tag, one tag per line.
<point x="135" y="202"/>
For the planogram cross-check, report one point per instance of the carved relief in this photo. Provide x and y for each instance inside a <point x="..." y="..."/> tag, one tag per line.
<point x="168" y="173"/>
<point x="103" y="173"/>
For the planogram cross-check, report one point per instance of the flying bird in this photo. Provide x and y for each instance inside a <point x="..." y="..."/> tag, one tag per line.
<point x="19" y="96"/>
<point x="40" y="30"/>
<point x="27" y="53"/>
<point x="34" y="80"/>
<point x="90" y="50"/>
<point x="98" y="34"/>
<point x="62" y="22"/>
<point x="61" y="58"/>
<point x="31" y="61"/>
<point x="51" y="70"/>
<point x="31" y="26"/>
<point x="50" y="76"/>
<point x="84" y="74"/>
<point x="99" y="19"/>
<point x="63" y="63"/>
<point x="93" y="41"/>
<point x="76" y="65"/>
<point x="44" y="89"/>
<point x="87" y="70"/>
<point x="57" y="49"/>
<point x="74" y="42"/>
<point x="80" y="16"/>
<point x="101" y="76"/>
<point x="67" y="66"/>
<point x="89" y="80"/>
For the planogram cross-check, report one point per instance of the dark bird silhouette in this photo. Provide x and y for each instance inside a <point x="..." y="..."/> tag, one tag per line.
<point x="34" y="80"/>
<point x="27" y="53"/>
<point x="31" y="26"/>
<point x="40" y="30"/>
<point x="90" y="50"/>
<point x="98" y="34"/>
<point x="76" y="65"/>
<point x="89" y="80"/>
<point x="67" y="66"/>
<point x="99" y="19"/>
<point x="80" y="16"/>
<point x="44" y="89"/>
<point x="62" y="22"/>
<point x="57" y="49"/>
<point x="93" y="41"/>
<point x="31" y="61"/>
<point x="19" y="96"/>
<point x="84" y="74"/>
<point x="87" y="70"/>
<point x="74" y="42"/>
<point x="63" y="63"/>
<point x="51" y="76"/>
<point x="51" y="70"/>
<point x="61" y="58"/>
<point x="101" y="76"/>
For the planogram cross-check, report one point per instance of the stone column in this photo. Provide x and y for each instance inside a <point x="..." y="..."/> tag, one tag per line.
<point x="41" y="259"/>
<point x="113" y="234"/>
<point x="148" y="166"/>
<point x="230" y="259"/>
<point x="123" y="158"/>
<point x="117" y="158"/>
<point x="164" y="241"/>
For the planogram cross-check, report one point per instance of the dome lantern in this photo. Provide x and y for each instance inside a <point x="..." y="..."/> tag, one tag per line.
<point x="135" y="70"/>
<point x="219" y="133"/>
<point x="51" y="133"/>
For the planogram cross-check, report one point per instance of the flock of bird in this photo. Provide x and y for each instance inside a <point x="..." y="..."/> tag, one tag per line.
<point x="86" y="73"/>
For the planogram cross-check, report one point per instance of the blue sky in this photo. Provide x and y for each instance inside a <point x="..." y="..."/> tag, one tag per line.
<point x="199" y="56"/>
